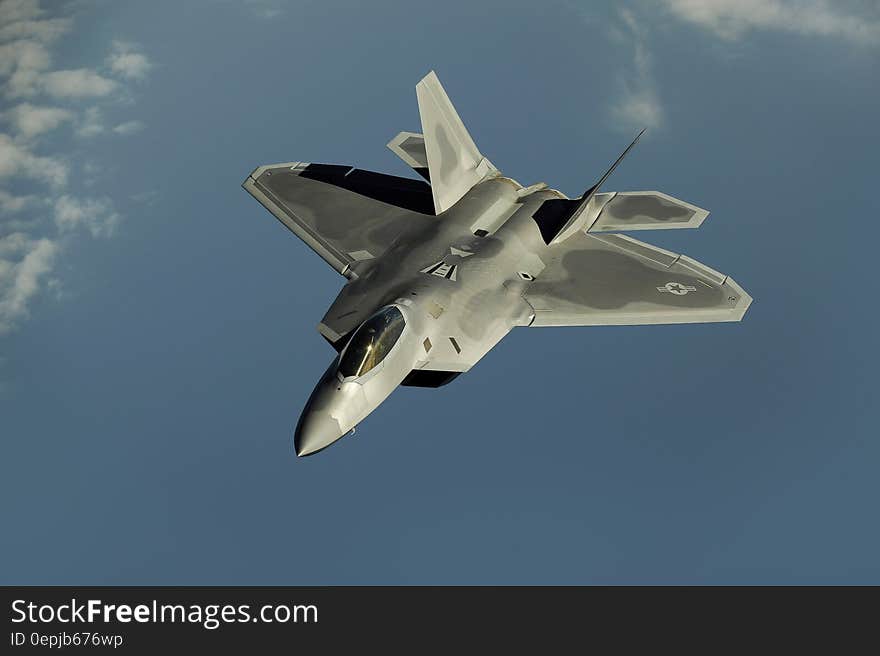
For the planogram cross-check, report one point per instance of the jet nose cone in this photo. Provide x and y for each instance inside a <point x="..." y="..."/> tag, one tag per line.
<point x="315" y="431"/>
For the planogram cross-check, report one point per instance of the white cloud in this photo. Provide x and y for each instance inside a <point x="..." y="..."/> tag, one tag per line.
<point x="76" y="83"/>
<point x="56" y="287"/>
<point x="17" y="160"/>
<point x="41" y="30"/>
<point x="20" y="279"/>
<point x="636" y="109"/>
<point x="30" y="120"/>
<point x="24" y="19"/>
<point x="23" y="61"/>
<point x="26" y="63"/>
<point x="14" y="245"/>
<point x="95" y="214"/>
<point x="18" y="10"/>
<point x="91" y="124"/>
<point x="637" y="104"/>
<point x="129" y="127"/>
<point x="34" y="227"/>
<point x="127" y="62"/>
<point x="9" y="203"/>
<point x="24" y="82"/>
<point x="23" y="53"/>
<point x="730" y="19"/>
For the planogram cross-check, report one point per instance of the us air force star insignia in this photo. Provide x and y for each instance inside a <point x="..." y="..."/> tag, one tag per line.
<point x="676" y="288"/>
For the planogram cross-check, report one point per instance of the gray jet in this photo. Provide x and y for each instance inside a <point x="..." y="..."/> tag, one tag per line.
<point x="439" y="270"/>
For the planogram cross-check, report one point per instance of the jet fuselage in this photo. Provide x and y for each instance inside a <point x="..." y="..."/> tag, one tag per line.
<point x="456" y="283"/>
<point x="439" y="269"/>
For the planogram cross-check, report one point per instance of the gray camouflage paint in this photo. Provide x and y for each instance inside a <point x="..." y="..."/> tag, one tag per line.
<point x="455" y="288"/>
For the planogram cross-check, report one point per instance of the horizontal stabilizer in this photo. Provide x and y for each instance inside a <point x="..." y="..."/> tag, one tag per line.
<point x="410" y="147"/>
<point x="646" y="210"/>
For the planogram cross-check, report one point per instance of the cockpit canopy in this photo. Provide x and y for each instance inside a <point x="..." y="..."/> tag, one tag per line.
<point x="372" y="342"/>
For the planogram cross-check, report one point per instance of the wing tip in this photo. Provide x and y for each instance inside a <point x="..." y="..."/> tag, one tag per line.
<point x="429" y="78"/>
<point x="743" y="300"/>
<point x="260" y="170"/>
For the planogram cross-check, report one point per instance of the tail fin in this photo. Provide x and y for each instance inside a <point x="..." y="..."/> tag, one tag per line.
<point x="559" y="218"/>
<point x="454" y="162"/>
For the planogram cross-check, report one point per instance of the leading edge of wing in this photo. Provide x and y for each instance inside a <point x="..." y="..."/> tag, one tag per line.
<point x="339" y="261"/>
<point x="360" y="202"/>
<point x="618" y="280"/>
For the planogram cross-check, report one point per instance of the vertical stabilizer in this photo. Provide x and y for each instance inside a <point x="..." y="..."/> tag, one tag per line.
<point x="454" y="162"/>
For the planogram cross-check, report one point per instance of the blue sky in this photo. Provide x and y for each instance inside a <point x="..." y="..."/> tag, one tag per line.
<point x="157" y="326"/>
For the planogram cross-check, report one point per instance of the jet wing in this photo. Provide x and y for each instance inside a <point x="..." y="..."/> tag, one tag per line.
<point x="345" y="215"/>
<point x="594" y="280"/>
<point x="410" y="147"/>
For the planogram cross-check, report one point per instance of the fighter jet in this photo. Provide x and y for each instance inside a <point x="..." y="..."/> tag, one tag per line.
<point x="439" y="270"/>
